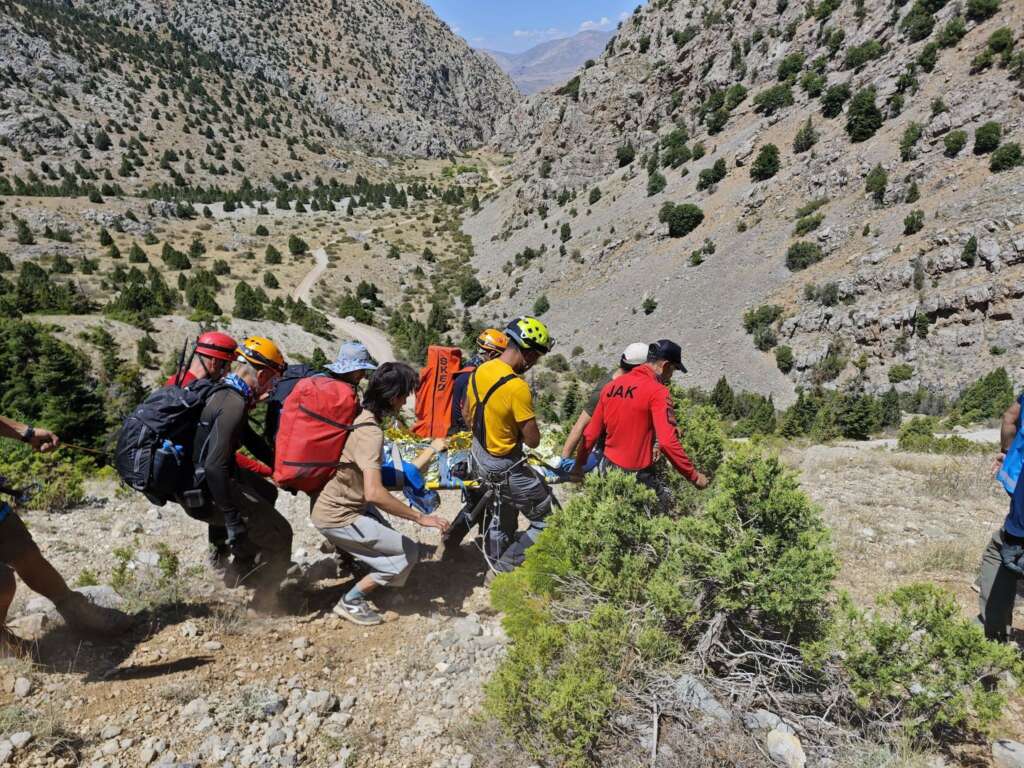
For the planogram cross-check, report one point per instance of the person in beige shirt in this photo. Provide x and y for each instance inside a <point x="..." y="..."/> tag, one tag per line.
<point x="345" y="511"/>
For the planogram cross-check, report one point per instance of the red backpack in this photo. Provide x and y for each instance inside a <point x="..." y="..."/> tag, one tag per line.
<point x="315" y="422"/>
<point x="434" y="396"/>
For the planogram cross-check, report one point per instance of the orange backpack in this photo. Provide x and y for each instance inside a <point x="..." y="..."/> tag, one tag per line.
<point x="434" y="395"/>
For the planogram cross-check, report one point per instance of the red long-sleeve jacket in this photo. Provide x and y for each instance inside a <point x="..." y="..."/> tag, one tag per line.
<point x="244" y="462"/>
<point x="633" y="411"/>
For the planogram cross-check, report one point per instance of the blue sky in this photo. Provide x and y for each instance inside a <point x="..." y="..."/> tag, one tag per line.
<point x="515" y="25"/>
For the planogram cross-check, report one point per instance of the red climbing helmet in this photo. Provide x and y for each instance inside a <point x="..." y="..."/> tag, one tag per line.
<point x="217" y="345"/>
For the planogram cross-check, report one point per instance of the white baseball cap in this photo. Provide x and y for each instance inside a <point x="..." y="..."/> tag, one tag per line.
<point x="635" y="354"/>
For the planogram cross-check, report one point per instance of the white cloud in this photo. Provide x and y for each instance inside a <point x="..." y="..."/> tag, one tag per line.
<point x="603" y="23"/>
<point x="537" y="34"/>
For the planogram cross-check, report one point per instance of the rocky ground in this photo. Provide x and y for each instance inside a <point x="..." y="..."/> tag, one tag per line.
<point x="205" y="681"/>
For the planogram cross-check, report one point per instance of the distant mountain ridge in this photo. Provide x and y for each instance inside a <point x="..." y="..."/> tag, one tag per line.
<point x="552" y="62"/>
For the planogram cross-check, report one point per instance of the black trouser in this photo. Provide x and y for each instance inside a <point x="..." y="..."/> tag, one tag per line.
<point x="217" y="535"/>
<point x="463" y="524"/>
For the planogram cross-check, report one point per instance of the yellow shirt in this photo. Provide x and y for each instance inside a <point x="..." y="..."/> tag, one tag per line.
<point x="509" y="406"/>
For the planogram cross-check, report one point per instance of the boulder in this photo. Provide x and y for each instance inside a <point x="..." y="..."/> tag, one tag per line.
<point x="1008" y="754"/>
<point x="786" y="749"/>
<point x="690" y="692"/>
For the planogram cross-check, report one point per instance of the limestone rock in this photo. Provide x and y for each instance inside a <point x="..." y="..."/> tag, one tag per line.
<point x="785" y="749"/>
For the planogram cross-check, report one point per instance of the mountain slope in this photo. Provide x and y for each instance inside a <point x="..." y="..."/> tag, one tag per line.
<point x="389" y="77"/>
<point x="687" y="87"/>
<point x="552" y="62"/>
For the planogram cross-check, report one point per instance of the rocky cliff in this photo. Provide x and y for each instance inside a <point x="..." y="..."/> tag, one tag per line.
<point x="389" y="77"/>
<point x="912" y="267"/>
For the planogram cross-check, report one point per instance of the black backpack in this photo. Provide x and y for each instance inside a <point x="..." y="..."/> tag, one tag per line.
<point x="292" y="375"/>
<point x="154" y="447"/>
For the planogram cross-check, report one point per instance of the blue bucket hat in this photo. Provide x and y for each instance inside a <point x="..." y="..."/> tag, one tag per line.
<point x="352" y="357"/>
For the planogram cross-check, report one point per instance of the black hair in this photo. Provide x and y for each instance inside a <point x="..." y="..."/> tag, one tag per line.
<point x="389" y="381"/>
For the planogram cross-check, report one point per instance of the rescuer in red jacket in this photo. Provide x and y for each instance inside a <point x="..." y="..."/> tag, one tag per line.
<point x="635" y="411"/>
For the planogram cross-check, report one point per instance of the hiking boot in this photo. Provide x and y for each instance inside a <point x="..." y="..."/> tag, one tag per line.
<point x="358" y="612"/>
<point x="218" y="558"/>
<point x="12" y="646"/>
<point x="85" y="616"/>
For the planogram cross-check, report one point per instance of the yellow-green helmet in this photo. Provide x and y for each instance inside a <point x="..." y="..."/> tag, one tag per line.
<point x="530" y="333"/>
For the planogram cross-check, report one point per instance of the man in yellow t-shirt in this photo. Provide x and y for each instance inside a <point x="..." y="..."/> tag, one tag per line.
<point x="499" y="408"/>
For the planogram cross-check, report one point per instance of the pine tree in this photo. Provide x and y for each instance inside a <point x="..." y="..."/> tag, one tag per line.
<point x="571" y="402"/>
<point x="723" y="398"/>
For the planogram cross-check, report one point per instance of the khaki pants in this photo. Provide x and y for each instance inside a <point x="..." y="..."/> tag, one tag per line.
<point x="998" y="590"/>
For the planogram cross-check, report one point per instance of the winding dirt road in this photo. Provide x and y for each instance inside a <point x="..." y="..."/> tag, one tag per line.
<point x="375" y="340"/>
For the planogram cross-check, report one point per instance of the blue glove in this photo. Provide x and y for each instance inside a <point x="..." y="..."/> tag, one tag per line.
<point x="566" y="466"/>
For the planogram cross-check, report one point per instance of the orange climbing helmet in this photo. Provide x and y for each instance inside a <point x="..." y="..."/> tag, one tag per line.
<point x="262" y="353"/>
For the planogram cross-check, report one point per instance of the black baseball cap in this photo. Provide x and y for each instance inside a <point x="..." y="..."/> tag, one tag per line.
<point x="666" y="350"/>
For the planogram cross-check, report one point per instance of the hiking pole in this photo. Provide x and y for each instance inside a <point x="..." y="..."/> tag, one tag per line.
<point x="82" y="448"/>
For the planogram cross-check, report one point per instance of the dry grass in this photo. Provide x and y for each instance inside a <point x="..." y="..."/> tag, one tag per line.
<point x="942" y="557"/>
<point x="49" y="734"/>
<point x="228" y="619"/>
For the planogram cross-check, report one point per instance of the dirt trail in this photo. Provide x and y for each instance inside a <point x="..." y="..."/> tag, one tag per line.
<point x="375" y="340"/>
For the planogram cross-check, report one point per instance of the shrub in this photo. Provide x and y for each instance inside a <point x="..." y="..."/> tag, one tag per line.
<point x="918" y="23"/>
<point x="765" y="338"/>
<point x="761" y="317"/>
<point x="859" y="55"/>
<point x="970" y="251"/>
<point x="571" y="89"/>
<point x="987" y="138"/>
<point x="711" y="176"/>
<point x="952" y="33"/>
<point x="913" y="193"/>
<point x="541" y="305"/>
<point x="625" y="154"/>
<point x="802" y="255"/>
<point x="784" y="358"/>
<point x="915" y="659"/>
<point x="758" y="556"/>
<point x="655" y="184"/>
<point x="766" y="164"/>
<point x="649" y="305"/>
<point x="297" y="246"/>
<point x="565" y="233"/>
<point x="262" y="231"/>
<point x="911" y="135"/>
<point x="791" y="65"/>
<point x="913" y="223"/>
<point x="900" y="373"/>
<point x="771" y="100"/>
<point x="876" y="182"/>
<point x="1005" y="157"/>
<point x="834" y="99"/>
<point x="985" y="399"/>
<point x="808" y="224"/>
<point x="595" y="195"/>
<point x="954" y="142"/>
<point x="471" y="291"/>
<point x="863" y="119"/>
<point x="980" y="10"/>
<point x="270" y="280"/>
<point x="681" y="219"/>
<point x="805" y="138"/>
<point x="928" y="57"/>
